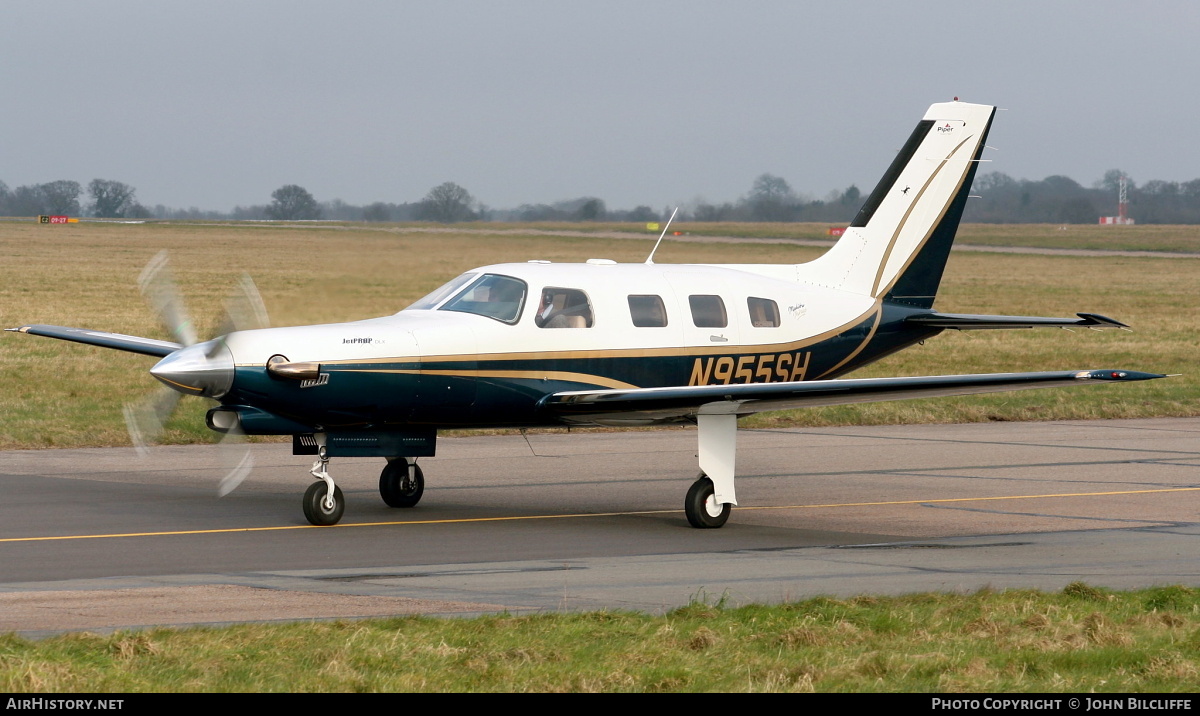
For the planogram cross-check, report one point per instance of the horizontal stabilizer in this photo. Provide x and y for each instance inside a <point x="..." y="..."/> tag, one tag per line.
<point x="119" y="341"/>
<point x="648" y="405"/>
<point x="971" y="322"/>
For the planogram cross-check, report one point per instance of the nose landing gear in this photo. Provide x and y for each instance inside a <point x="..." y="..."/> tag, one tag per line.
<point x="323" y="500"/>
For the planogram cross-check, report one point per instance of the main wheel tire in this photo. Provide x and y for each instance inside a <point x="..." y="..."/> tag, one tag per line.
<point x="400" y="487"/>
<point x="315" y="510"/>
<point x="701" y="507"/>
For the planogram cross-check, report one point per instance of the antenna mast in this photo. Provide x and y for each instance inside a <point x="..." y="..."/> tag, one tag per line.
<point x="1122" y="216"/>
<point x="650" y="258"/>
<point x="1122" y="204"/>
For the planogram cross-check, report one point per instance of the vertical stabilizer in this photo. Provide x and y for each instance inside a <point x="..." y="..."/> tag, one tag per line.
<point x="897" y="245"/>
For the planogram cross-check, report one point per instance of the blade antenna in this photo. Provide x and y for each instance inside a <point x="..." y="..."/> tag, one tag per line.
<point x="650" y="258"/>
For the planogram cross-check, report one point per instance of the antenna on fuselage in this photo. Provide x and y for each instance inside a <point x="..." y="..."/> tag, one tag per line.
<point x="650" y="258"/>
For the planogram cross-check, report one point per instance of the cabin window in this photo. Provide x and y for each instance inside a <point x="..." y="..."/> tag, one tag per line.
<point x="446" y="290"/>
<point x="491" y="295"/>
<point x="708" y="311"/>
<point x="563" y="308"/>
<point x="764" y="313"/>
<point x="647" y="311"/>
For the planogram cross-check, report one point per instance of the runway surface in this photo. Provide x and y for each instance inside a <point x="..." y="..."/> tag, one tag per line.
<point x="100" y="539"/>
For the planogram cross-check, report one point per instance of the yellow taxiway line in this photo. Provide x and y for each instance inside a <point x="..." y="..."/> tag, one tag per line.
<point x="597" y="514"/>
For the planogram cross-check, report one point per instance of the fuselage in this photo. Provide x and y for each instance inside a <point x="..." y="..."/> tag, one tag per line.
<point x="484" y="349"/>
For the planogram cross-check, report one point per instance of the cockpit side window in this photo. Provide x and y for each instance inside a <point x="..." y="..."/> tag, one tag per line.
<point x="564" y="308"/>
<point x="708" y="311"/>
<point x="491" y="295"/>
<point x="647" y="311"/>
<point x="764" y="313"/>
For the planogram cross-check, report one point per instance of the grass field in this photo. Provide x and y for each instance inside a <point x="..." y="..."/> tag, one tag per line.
<point x="1080" y="640"/>
<point x="56" y="394"/>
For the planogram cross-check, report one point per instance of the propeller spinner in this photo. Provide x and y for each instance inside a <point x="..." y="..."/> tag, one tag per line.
<point x="204" y="369"/>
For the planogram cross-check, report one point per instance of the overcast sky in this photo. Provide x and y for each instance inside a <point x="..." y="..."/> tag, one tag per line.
<point x="214" y="104"/>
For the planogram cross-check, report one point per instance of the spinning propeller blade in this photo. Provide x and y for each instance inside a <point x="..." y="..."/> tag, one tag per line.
<point x="238" y="462"/>
<point x="145" y="418"/>
<point x="244" y="310"/>
<point x="158" y="286"/>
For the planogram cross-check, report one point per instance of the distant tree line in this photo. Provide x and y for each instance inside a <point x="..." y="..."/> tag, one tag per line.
<point x="1061" y="200"/>
<point x="771" y="199"/>
<point x="997" y="198"/>
<point x="109" y="199"/>
<point x="584" y="208"/>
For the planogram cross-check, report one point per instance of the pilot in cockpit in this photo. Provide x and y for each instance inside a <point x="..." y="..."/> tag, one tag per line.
<point x="563" y="308"/>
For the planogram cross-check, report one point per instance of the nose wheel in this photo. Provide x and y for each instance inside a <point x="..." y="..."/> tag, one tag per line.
<point x="322" y="509"/>
<point x="323" y="501"/>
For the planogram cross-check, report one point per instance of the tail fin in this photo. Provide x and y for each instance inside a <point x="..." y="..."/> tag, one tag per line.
<point x="898" y="244"/>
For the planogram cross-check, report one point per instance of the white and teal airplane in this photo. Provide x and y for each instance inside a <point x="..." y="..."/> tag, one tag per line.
<point x="541" y="344"/>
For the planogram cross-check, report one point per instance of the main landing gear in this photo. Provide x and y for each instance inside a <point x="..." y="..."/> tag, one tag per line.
<point x="401" y="483"/>
<point x="711" y="497"/>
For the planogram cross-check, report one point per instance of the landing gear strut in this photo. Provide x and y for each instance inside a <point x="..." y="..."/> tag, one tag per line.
<point x="401" y="483"/>
<point x="323" y="500"/>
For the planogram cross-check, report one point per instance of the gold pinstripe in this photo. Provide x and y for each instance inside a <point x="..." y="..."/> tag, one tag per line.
<point x="870" y="334"/>
<point x="533" y="374"/>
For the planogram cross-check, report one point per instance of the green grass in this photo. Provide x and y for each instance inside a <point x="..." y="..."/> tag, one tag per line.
<point x="1148" y="237"/>
<point x="1082" y="639"/>
<point x="57" y="394"/>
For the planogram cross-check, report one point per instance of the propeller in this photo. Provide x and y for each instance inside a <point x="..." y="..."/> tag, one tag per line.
<point x="207" y="366"/>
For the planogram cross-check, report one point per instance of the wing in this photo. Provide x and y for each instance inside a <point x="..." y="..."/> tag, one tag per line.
<point x="970" y="321"/>
<point x="119" y="341"/>
<point x="653" y="405"/>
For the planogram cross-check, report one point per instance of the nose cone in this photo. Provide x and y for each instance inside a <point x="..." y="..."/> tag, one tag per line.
<point x="203" y="369"/>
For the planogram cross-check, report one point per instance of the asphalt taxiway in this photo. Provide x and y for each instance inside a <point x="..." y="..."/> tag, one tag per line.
<point x="101" y="539"/>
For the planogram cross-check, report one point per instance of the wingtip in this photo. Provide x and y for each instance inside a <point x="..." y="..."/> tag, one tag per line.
<point x="1094" y="320"/>
<point x="1118" y="375"/>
